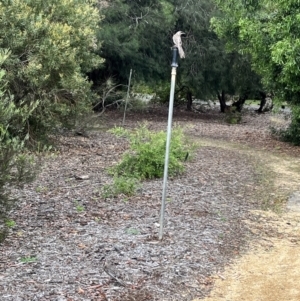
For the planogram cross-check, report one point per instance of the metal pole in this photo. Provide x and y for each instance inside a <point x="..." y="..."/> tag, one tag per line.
<point x="169" y="132"/>
<point x="128" y="88"/>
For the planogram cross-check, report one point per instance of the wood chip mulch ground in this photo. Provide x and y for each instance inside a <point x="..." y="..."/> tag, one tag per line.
<point x="69" y="243"/>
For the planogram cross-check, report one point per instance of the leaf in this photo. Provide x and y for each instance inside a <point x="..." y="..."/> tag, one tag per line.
<point x="82" y="177"/>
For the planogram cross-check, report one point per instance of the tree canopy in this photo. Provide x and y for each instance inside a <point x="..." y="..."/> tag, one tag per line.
<point x="138" y="35"/>
<point x="269" y="32"/>
<point x="52" y="45"/>
<point x="230" y="47"/>
<point x="135" y="35"/>
<point x="209" y="69"/>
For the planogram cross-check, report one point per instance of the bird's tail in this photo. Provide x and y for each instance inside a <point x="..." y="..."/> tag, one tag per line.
<point x="181" y="53"/>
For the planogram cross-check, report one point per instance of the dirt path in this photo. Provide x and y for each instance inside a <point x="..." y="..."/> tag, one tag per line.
<point x="268" y="272"/>
<point x="270" y="269"/>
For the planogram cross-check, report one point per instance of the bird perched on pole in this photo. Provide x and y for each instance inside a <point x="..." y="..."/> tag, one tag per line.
<point x="178" y="43"/>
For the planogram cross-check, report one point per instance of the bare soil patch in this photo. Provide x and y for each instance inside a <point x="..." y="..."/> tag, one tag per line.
<point x="269" y="270"/>
<point x="69" y="243"/>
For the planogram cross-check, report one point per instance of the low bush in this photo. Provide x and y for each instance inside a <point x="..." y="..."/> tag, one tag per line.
<point x="146" y="156"/>
<point x="292" y="133"/>
<point x="16" y="166"/>
<point x="121" y="185"/>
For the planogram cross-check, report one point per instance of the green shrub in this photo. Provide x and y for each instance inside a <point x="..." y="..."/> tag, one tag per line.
<point x="146" y="156"/>
<point x="292" y="133"/>
<point x="52" y="46"/>
<point x="16" y="166"/>
<point x="121" y="185"/>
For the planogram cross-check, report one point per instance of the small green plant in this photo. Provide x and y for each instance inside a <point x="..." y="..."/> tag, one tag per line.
<point x="132" y="231"/>
<point x="107" y="191"/>
<point x="79" y="208"/>
<point x="145" y="159"/>
<point x="125" y="185"/>
<point x="10" y="223"/>
<point x="221" y="216"/>
<point x="121" y="185"/>
<point x="41" y="189"/>
<point x="28" y="259"/>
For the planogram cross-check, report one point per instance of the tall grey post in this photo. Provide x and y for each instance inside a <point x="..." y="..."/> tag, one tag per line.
<point x="174" y="66"/>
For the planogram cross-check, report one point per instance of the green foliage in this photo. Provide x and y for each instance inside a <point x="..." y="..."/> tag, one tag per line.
<point x="79" y="208"/>
<point x="145" y="159"/>
<point x="29" y="259"/>
<point x="143" y="88"/>
<point x="52" y="46"/>
<point x="10" y="223"/>
<point x="136" y="35"/>
<point x="132" y="231"/>
<point x="232" y="116"/>
<point x="16" y="166"/>
<point x="121" y="185"/>
<point x="269" y="32"/>
<point x="163" y="93"/>
<point x="292" y="133"/>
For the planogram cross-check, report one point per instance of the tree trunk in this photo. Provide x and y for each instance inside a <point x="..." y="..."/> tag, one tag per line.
<point x="240" y="103"/>
<point x="189" y="100"/>
<point x="263" y="100"/>
<point x="222" y="101"/>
